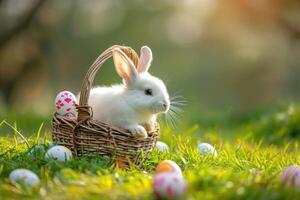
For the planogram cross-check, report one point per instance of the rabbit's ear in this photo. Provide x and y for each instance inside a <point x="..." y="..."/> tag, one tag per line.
<point x="124" y="65"/>
<point x="145" y="59"/>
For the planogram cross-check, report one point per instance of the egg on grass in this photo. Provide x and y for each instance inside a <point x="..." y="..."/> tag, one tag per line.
<point x="168" y="166"/>
<point x="38" y="150"/>
<point x="24" y="177"/>
<point x="205" y="148"/>
<point x="162" y="147"/>
<point x="290" y="176"/>
<point x="60" y="153"/>
<point x="169" y="185"/>
<point x="65" y="104"/>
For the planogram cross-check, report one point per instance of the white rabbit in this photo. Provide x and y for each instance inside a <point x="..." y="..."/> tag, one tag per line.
<point x="134" y="103"/>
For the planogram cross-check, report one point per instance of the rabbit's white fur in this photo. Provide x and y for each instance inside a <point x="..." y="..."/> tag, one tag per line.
<point x="130" y="105"/>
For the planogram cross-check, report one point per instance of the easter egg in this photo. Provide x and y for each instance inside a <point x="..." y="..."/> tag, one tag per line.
<point x="290" y="176"/>
<point x="66" y="104"/>
<point x="169" y="185"/>
<point x="162" y="147"/>
<point x="37" y="150"/>
<point x="296" y="179"/>
<point x="59" y="153"/>
<point x="205" y="148"/>
<point x="120" y="162"/>
<point x="168" y="166"/>
<point x="24" y="177"/>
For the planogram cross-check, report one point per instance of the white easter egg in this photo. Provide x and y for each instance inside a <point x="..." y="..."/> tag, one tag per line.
<point x="37" y="150"/>
<point x="59" y="153"/>
<point x="24" y="176"/>
<point x="169" y="185"/>
<point x="66" y="103"/>
<point x="168" y="166"/>
<point x="205" y="148"/>
<point x="161" y="146"/>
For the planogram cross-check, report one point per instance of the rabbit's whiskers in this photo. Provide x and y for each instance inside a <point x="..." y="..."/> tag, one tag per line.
<point x="175" y="112"/>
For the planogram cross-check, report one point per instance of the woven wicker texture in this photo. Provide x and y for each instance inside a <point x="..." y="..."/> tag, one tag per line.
<point x="85" y="136"/>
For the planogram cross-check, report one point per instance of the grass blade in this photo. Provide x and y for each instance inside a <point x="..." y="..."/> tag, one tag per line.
<point x="17" y="132"/>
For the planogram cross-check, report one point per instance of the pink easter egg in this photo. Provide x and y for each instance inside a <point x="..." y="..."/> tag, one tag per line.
<point x="297" y="179"/>
<point x="168" y="166"/>
<point x="290" y="176"/>
<point x="66" y="103"/>
<point x="169" y="185"/>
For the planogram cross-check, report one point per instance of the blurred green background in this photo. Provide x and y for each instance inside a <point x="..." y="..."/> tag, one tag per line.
<point x="225" y="56"/>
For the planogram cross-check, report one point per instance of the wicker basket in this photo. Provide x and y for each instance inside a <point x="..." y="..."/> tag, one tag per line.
<point x="85" y="136"/>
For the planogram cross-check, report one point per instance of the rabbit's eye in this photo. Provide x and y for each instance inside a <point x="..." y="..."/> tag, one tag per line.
<point x="148" y="92"/>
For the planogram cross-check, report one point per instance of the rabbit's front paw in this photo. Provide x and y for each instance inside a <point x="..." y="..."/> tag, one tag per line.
<point x="150" y="126"/>
<point x="138" y="131"/>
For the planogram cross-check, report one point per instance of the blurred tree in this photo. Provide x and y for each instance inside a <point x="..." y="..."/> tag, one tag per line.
<point x="219" y="53"/>
<point x="22" y="24"/>
<point x="7" y="86"/>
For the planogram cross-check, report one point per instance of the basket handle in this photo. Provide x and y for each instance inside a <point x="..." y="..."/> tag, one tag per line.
<point x="85" y="111"/>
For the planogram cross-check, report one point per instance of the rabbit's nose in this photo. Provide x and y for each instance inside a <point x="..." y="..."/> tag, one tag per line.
<point x="165" y="105"/>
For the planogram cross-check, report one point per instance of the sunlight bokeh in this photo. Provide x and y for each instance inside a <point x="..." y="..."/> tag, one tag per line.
<point x="235" y="55"/>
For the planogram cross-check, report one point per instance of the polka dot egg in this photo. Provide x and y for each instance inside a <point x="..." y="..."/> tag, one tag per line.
<point x="59" y="153"/>
<point x="168" y="166"/>
<point x="24" y="177"/>
<point x="169" y="185"/>
<point x="66" y="104"/>
<point x="205" y="148"/>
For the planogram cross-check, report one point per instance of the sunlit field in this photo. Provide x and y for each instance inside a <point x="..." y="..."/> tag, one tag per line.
<point x="252" y="151"/>
<point x="227" y="79"/>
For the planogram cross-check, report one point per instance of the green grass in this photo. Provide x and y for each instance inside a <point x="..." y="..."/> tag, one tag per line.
<point x="252" y="151"/>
